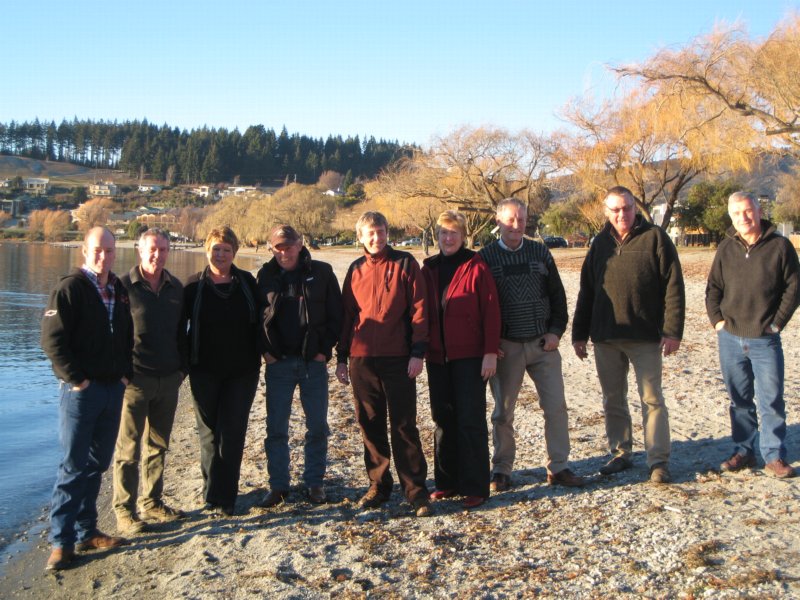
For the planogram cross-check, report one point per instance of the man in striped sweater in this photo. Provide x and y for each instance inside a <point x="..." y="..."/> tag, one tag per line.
<point x="533" y="308"/>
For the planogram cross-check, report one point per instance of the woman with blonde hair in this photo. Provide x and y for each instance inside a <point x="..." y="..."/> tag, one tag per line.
<point x="462" y="354"/>
<point x="222" y="313"/>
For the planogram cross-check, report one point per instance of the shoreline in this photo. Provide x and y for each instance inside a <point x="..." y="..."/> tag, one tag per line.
<point x="726" y="535"/>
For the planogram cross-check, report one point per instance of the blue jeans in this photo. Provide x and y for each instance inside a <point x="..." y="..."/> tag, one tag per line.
<point x="282" y="378"/>
<point x="88" y="425"/>
<point x="753" y="368"/>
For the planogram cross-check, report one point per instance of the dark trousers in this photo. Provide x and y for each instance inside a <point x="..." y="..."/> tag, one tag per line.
<point x="461" y="441"/>
<point x="222" y="409"/>
<point x="382" y="388"/>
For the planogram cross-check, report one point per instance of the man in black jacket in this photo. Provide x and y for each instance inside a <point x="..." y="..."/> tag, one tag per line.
<point x="631" y="303"/>
<point x="87" y="334"/>
<point x="300" y="326"/>
<point x="752" y="293"/>
<point x="159" y="364"/>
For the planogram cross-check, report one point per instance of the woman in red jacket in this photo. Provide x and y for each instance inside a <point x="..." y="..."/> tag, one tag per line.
<point x="464" y="338"/>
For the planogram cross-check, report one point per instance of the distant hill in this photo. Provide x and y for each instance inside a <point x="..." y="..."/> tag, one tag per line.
<point x="60" y="173"/>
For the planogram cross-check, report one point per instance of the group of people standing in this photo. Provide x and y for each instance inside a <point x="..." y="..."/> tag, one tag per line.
<point x="121" y="348"/>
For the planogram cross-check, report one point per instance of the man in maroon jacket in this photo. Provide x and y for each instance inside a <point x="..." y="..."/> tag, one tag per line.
<point x="385" y="335"/>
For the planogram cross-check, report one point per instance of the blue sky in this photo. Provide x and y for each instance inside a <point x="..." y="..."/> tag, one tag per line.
<point x="398" y="70"/>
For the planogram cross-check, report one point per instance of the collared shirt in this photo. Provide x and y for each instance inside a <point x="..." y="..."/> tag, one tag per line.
<point x="106" y="293"/>
<point x="137" y="276"/>
<point x="502" y="244"/>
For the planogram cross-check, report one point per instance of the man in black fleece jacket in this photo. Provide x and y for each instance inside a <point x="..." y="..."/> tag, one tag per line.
<point x="752" y="293"/>
<point x="632" y="304"/>
<point x="87" y="333"/>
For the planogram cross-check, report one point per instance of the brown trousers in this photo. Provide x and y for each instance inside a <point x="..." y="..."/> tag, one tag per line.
<point x="382" y="388"/>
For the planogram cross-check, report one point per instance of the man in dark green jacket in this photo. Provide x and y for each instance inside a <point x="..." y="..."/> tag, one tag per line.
<point x="159" y="364"/>
<point x="631" y="304"/>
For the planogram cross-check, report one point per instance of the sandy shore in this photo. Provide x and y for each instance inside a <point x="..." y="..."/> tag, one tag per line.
<point x="712" y="535"/>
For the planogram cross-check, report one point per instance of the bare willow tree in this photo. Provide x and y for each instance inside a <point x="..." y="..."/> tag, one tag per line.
<point x="188" y="220"/>
<point x="48" y="225"/>
<point x="401" y="192"/>
<point x="725" y="72"/>
<point x="787" y="201"/>
<point x="485" y="165"/>
<point x="649" y="143"/>
<point x="244" y="214"/>
<point x="94" y="212"/>
<point x="252" y="216"/>
<point x="330" y="180"/>
<point x="307" y="208"/>
<point x="576" y="213"/>
<point x="471" y="170"/>
<point x="56" y="225"/>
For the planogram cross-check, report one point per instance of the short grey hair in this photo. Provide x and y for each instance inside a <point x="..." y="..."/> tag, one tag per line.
<point x="153" y="232"/>
<point x="622" y="192"/>
<point x="744" y="196"/>
<point x="516" y="202"/>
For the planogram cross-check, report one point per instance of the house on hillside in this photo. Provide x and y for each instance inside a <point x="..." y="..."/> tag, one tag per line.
<point x="36" y="186"/>
<point x="158" y="218"/>
<point x="204" y="191"/>
<point x="237" y="190"/>
<point x="149" y="189"/>
<point x="106" y="189"/>
<point x="244" y="189"/>
<point x="15" y="206"/>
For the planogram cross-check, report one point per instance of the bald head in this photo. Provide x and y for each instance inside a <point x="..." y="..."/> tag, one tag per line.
<point x="99" y="252"/>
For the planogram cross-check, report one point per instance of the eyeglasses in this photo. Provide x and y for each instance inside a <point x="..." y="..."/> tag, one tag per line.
<point x="617" y="209"/>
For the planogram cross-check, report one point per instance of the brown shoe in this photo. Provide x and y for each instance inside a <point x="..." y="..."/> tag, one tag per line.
<point x="778" y="468"/>
<point x="130" y="524"/>
<point x="566" y="478"/>
<point x="60" y="558"/>
<point x="473" y="501"/>
<point x="616" y="465"/>
<point x="737" y="462"/>
<point x="161" y="513"/>
<point x="316" y="494"/>
<point x="100" y="541"/>
<point x="422" y="506"/>
<point x="273" y="498"/>
<point x="373" y="498"/>
<point x="500" y="482"/>
<point x="659" y="473"/>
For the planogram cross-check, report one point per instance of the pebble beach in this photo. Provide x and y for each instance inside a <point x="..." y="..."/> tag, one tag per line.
<point x="714" y="535"/>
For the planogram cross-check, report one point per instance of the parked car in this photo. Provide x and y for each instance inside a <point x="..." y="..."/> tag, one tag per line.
<point x="411" y="242"/>
<point x="555" y="241"/>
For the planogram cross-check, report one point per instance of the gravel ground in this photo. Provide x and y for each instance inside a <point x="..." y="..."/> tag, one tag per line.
<point x="706" y="535"/>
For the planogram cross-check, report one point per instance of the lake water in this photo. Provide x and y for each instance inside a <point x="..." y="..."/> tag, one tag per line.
<point x="29" y="451"/>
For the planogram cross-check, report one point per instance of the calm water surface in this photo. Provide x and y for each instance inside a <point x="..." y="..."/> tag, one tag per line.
<point x="29" y="452"/>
